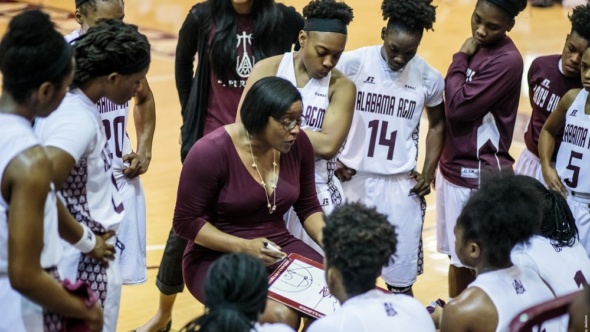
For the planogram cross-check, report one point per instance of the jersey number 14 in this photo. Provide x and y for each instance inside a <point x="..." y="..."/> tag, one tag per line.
<point x="389" y="142"/>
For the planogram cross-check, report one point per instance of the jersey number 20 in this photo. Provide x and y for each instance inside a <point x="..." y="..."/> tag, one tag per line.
<point x="118" y="129"/>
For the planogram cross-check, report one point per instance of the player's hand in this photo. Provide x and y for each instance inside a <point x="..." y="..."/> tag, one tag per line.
<point x="553" y="181"/>
<point x="258" y="248"/>
<point x="422" y="187"/>
<point x="103" y="252"/>
<point x="138" y="164"/>
<point x="470" y="46"/>
<point x="95" y="319"/>
<point x="343" y="173"/>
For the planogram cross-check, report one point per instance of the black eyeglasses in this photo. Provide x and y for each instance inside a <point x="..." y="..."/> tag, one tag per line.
<point x="289" y="125"/>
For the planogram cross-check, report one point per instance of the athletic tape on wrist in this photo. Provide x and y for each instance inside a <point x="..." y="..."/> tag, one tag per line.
<point x="87" y="241"/>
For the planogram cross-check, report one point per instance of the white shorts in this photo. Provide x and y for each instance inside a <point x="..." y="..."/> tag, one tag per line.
<point x="327" y="197"/>
<point x="450" y="200"/>
<point x="131" y="234"/>
<point x="390" y="196"/>
<point x="20" y="314"/>
<point x="528" y="164"/>
<point x="581" y="210"/>
<point x="109" y="295"/>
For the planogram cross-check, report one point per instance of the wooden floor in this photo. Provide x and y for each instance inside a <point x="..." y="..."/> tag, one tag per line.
<point x="537" y="32"/>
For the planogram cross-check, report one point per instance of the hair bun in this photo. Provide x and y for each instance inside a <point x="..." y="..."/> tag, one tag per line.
<point x="29" y="28"/>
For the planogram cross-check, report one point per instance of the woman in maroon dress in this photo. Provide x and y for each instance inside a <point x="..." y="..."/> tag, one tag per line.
<point x="254" y="172"/>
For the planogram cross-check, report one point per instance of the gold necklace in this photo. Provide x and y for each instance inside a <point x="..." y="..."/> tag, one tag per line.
<point x="273" y="207"/>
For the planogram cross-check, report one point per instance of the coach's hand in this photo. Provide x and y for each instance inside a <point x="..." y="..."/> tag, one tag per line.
<point x="103" y="252"/>
<point x="138" y="164"/>
<point x="264" y="249"/>
<point x="422" y="187"/>
<point x="343" y="173"/>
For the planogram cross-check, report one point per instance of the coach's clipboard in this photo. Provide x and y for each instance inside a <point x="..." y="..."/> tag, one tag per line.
<point x="300" y="284"/>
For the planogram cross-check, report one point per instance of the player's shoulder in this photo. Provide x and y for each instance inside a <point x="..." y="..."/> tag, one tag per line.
<point x="471" y="310"/>
<point x="268" y="66"/>
<point x="330" y="322"/>
<point x="545" y="60"/>
<point x="74" y="108"/>
<point x="360" y="52"/>
<point x="72" y="35"/>
<point x="570" y="96"/>
<point x="425" y="70"/>
<point x="339" y="81"/>
<point x="464" y="303"/>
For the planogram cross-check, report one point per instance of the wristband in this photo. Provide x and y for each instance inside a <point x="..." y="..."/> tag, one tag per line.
<point x="87" y="241"/>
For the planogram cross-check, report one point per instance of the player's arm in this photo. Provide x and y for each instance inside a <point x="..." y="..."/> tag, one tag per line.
<point x="62" y="150"/>
<point x="554" y="123"/>
<point x="472" y="310"/>
<point x="144" y="117"/>
<point x="186" y="49"/>
<point x="61" y="164"/>
<point x="470" y="100"/>
<point x="72" y="231"/>
<point x="434" y="143"/>
<point x="264" y="68"/>
<point x="337" y="120"/>
<point x="313" y="225"/>
<point x="29" y="176"/>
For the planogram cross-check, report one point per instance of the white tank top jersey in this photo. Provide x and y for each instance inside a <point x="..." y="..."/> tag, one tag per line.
<point x="90" y="191"/>
<point x="383" y="138"/>
<point x="315" y="102"/>
<point x="573" y="157"/>
<point x="564" y="269"/>
<point x="114" y="118"/>
<point x="376" y="311"/>
<point x="513" y="290"/>
<point x="17" y="136"/>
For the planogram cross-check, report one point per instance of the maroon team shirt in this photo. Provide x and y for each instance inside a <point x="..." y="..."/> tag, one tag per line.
<point x="215" y="187"/>
<point x="481" y="103"/>
<point x="546" y="87"/>
<point x="224" y="97"/>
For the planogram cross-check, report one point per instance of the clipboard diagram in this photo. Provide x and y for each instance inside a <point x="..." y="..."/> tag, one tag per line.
<point x="300" y="284"/>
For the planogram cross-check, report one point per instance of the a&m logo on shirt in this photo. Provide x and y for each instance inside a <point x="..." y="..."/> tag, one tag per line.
<point x="389" y="310"/>
<point x="518" y="287"/>
<point x="469" y="73"/>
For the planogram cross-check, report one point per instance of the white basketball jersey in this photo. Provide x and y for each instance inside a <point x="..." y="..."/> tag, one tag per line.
<point x="573" y="156"/>
<point x="17" y="136"/>
<point x="376" y="311"/>
<point x="90" y="191"/>
<point x="383" y="138"/>
<point x="315" y="102"/>
<point x="513" y="290"/>
<point x="114" y="118"/>
<point x="564" y="269"/>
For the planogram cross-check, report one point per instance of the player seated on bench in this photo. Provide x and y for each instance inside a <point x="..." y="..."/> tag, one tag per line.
<point x="505" y="211"/>
<point x="358" y="242"/>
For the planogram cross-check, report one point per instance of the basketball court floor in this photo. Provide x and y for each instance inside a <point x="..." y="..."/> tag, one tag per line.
<point x="538" y="31"/>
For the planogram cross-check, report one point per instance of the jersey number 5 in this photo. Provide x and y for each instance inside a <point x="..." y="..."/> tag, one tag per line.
<point x="580" y="279"/>
<point x="383" y="139"/>
<point x="573" y="183"/>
